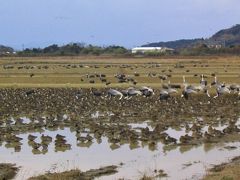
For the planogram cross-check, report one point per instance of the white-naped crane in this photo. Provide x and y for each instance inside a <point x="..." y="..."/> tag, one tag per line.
<point x="146" y="91"/>
<point x="130" y="92"/>
<point x="169" y="89"/>
<point x="188" y="86"/>
<point x="216" y="83"/>
<point x="221" y="88"/>
<point x="164" y="95"/>
<point x="124" y="92"/>
<point x="187" y="91"/>
<point x="114" y="92"/>
<point x="185" y="84"/>
<point x="235" y="88"/>
<point x="202" y="87"/>
<point x="166" y="91"/>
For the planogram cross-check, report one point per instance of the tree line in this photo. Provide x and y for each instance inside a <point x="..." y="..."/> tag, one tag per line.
<point x="78" y="49"/>
<point x="203" y="49"/>
<point x="73" y="49"/>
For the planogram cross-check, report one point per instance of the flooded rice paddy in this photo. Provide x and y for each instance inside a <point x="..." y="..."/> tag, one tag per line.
<point x="54" y="130"/>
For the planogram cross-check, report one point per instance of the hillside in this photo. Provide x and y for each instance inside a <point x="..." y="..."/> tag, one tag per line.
<point x="229" y="37"/>
<point x="5" y="49"/>
<point x="226" y="37"/>
<point x="178" y="44"/>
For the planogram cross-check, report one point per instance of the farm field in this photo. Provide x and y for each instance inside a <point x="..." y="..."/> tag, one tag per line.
<point x="58" y="120"/>
<point x="84" y="72"/>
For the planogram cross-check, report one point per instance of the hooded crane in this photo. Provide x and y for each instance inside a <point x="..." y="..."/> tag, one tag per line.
<point x="113" y="92"/>
<point x="78" y="94"/>
<point x="28" y="93"/>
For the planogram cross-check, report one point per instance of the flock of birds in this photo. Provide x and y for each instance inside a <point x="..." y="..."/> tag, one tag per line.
<point x="168" y="90"/>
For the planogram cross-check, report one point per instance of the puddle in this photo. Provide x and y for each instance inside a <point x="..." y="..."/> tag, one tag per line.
<point x="188" y="160"/>
<point x="173" y="163"/>
<point x="177" y="133"/>
<point x="139" y="126"/>
<point x="82" y="149"/>
<point x="25" y="120"/>
<point x="218" y="127"/>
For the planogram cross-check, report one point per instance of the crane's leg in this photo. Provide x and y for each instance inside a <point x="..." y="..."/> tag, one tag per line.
<point x="120" y="97"/>
<point x="208" y="93"/>
<point x="216" y="95"/>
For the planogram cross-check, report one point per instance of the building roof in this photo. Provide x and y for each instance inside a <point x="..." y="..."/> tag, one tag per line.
<point x="147" y="48"/>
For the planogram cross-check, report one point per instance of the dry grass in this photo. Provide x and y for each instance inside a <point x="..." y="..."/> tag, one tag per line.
<point x="7" y="171"/>
<point x="73" y="174"/>
<point x="145" y="177"/>
<point x="59" y="75"/>
<point x="226" y="171"/>
<point x="77" y="174"/>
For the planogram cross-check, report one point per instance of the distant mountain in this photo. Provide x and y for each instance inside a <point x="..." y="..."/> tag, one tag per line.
<point x="226" y="37"/>
<point x="178" y="44"/>
<point x="5" y="49"/>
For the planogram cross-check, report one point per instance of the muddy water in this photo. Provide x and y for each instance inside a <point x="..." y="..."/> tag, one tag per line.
<point x="179" y="162"/>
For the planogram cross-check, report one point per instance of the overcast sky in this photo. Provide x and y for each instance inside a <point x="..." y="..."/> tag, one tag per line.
<point x="37" y="23"/>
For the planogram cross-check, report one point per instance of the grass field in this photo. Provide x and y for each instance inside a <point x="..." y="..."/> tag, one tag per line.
<point x="73" y="71"/>
<point x="164" y="130"/>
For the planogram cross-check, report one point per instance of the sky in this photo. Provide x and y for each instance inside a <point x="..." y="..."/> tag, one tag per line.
<point x="129" y="23"/>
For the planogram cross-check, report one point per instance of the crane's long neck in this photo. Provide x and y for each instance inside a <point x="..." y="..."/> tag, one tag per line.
<point x="184" y="80"/>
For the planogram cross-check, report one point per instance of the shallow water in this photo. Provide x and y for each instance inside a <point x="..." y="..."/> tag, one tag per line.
<point x="179" y="162"/>
<point x="138" y="126"/>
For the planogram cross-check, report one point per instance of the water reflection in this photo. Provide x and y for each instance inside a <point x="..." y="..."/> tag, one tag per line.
<point x="37" y="133"/>
<point x="46" y="136"/>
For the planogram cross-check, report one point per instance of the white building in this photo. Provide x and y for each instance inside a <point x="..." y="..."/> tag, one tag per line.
<point x="151" y="49"/>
